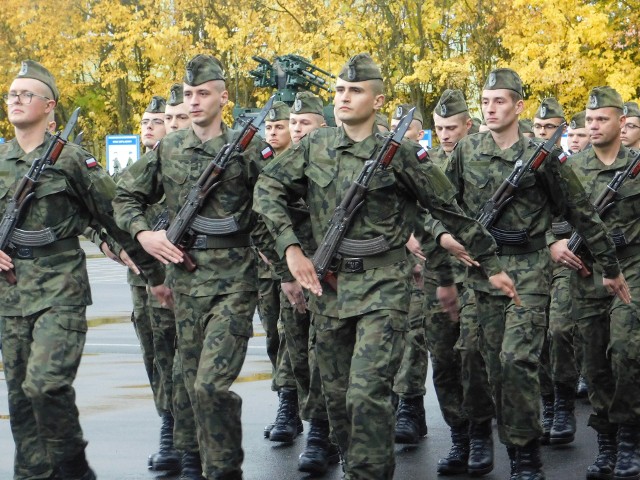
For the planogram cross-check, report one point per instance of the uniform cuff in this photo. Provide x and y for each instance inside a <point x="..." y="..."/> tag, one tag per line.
<point x="284" y="240"/>
<point x="492" y="265"/>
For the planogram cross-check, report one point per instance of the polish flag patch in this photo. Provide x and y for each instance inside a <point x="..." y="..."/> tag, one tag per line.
<point x="91" y="162"/>
<point x="267" y="153"/>
<point x="562" y="157"/>
<point x="422" y="154"/>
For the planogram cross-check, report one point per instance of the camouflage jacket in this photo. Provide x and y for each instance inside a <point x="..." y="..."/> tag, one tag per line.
<point x="70" y="196"/>
<point x="478" y="166"/>
<point x="320" y="169"/>
<point x="171" y="170"/>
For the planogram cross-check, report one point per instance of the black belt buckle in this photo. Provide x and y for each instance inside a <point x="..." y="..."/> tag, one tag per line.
<point x="353" y="265"/>
<point x="25" y="253"/>
<point x="199" y="242"/>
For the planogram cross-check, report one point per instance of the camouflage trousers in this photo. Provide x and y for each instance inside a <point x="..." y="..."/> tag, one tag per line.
<point x="41" y="355"/>
<point x="185" y="438"/>
<point x="411" y="378"/>
<point x="358" y="359"/>
<point x="511" y="340"/>
<point x="213" y="335"/>
<point x="269" y="307"/>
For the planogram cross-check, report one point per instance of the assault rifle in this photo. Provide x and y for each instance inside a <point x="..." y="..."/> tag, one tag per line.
<point x="492" y="209"/>
<point x="604" y="202"/>
<point x="26" y="189"/>
<point x="327" y="259"/>
<point x="182" y="229"/>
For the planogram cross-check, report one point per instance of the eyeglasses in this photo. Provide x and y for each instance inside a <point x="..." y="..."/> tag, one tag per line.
<point x="24" y="98"/>
<point x="156" y="122"/>
<point x="631" y="126"/>
<point x="546" y="126"/>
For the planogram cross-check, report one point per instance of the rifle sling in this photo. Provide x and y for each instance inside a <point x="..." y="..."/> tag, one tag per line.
<point x="362" y="264"/>
<point x="205" y="242"/>
<point x="533" y="245"/>
<point x="23" y="252"/>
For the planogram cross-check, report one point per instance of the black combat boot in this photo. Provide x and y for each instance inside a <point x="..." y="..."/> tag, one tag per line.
<point x="528" y="464"/>
<point x="319" y="452"/>
<point x="602" y="468"/>
<point x="411" y="423"/>
<point x="582" y="391"/>
<point x="167" y="458"/>
<point x="511" y="452"/>
<point x="480" y="449"/>
<point x="191" y="466"/>
<point x="76" y="468"/>
<point x="563" y="429"/>
<point x="547" y="419"/>
<point x="288" y="424"/>
<point x="456" y="460"/>
<point x="628" y="458"/>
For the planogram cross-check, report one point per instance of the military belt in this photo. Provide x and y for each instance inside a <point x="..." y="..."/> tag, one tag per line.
<point x="561" y="228"/>
<point x="533" y="245"/>
<point x="627" y="251"/>
<point x="362" y="264"/>
<point x="205" y="242"/>
<point x="24" y="252"/>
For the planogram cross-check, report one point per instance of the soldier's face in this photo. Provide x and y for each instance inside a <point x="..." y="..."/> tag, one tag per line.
<point x="302" y="123"/>
<point x="176" y="117"/>
<point x="604" y="125"/>
<point x="545" y="128"/>
<point x="450" y="130"/>
<point x="278" y="134"/>
<point x="578" y="139"/>
<point x="152" y="128"/>
<point x="499" y="109"/>
<point x="630" y="134"/>
<point x="205" y="102"/>
<point x="356" y="102"/>
<point x="23" y="115"/>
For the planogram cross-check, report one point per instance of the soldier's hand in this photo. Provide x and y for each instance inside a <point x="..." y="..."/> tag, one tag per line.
<point x="157" y="245"/>
<point x="618" y="286"/>
<point x="303" y="270"/>
<point x="414" y="247"/>
<point x="503" y="282"/>
<point x="5" y="261"/>
<point x="560" y="253"/>
<point x="104" y="247"/>
<point x="163" y="294"/>
<point x="448" y="298"/>
<point x="264" y="259"/>
<point x="295" y="295"/>
<point x="417" y="275"/>
<point x="125" y="259"/>
<point x="456" y="249"/>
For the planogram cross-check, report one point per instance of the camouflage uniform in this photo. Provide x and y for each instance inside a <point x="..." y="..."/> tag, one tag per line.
<point x="360" y="327"/>
<point x="214" y="305"/>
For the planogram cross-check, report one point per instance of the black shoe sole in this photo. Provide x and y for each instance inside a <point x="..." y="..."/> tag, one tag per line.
<point x="599" y="476"/>
<point x="449" y="471"/>
<point x="634" y="477"/>
<point x="478" y="472"/>
<point x="561" y="440"/>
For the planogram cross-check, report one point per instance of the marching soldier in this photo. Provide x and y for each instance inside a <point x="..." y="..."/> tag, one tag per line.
<point x="631" y="130"/>
<point x="577" y="133"/>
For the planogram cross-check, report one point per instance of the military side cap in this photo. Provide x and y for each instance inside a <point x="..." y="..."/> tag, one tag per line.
<point x="31" y="69"/>
<point x="451" y="103"/>
<point x="577" y="121"/>
<point x="504" y="78"/>
<point x="382" y="120"/>
<point x="279" y="111"/>
<point x="402" y="110"/>
<point x="156" y="105"/>
<point x="526" y="126"/>
<point x="549" y="108"/>
<point x="601" y="97"/>
<point x="631" y="109"/>
<point x="176" y="95"/>
<point x="307" y="102"/>
<point x="359" y="68"/>
<point x="203" y="68"/>
<point x="475" y="127"/>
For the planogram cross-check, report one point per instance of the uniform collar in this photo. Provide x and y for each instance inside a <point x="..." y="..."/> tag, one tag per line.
<point x="15" y="152"/>
<point x="489" y="148"/>
<point x="363" y="149"/>
<point x="210" y="146"/>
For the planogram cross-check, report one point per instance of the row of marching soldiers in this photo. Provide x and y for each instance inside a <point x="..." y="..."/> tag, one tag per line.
<point x="353" y="349"/>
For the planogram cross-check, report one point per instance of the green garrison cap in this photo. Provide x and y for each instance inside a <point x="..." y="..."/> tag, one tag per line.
<point x="402" y="110"/>
<point x="601" y="97"/>
<point x="156" y="105"/>
<point x="526" y="126"/>
<point x="577" y="121"/>
<point x="279" y="111"/>
<point x="359" y="68"/>
<point x="475" y="127"/>
<point x="176" y="95"/>
<point x="382" y="120"/>
<point x="307" y="102"/>
<point x="504" y="78"/>
<point x="31" y="69"/>
<point x="631" y="109"/>
<point x="203" y="68"/>
<point x="549" y="108"/>
<point x="451" y="103"/>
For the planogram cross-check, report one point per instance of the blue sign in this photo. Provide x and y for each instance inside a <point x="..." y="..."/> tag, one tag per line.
<point x="427" y="140"/>
<point x="122" y="151"/>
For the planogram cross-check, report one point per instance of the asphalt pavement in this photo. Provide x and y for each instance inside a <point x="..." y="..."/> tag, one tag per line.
<point x="122" y="427"/>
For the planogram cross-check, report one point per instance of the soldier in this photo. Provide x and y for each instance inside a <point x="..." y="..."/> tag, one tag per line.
<point x="44" y="314"/>
<point x="306" y="116"/>
<point x="176" y="112"/>
<point x="382" y="123"/>
<point x="577" y="133"/>
<point x="152" y="124"/>
<point x="360" y="327"/>
<point x="526" y="128"/>
<point x="548" y="118"/>
<point x="512" y="336"/>
<point x="277" y="127"/>
<point x="608" y="326"/>
<point x="631" y="130"/>
<point x="214" y="305"/>
<point x="415" y="131"/>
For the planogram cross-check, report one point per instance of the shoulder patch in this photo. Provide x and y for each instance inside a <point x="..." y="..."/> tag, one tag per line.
<point x="91" y="162"/>
<point x="562" y="157"/>
<point x="422" y="155"/>
<point x="267" y="152"/>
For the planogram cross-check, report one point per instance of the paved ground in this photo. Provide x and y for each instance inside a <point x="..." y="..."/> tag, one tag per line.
<point x="120" y="423"/>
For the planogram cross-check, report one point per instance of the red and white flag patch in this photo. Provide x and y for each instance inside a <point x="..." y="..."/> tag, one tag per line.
<point x="422" y="155"/>
<point x="267" y="152"/>
<point x="91" y="162"/>
<point x="562" y="157"/>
